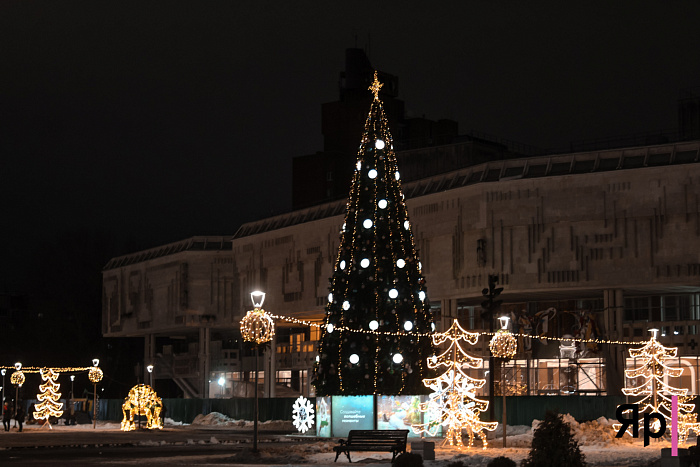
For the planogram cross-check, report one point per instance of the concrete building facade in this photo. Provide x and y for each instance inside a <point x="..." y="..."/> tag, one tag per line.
<point x="604" y="244"/>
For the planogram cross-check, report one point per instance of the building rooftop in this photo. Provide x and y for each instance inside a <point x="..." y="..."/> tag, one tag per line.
<point x="218" y="243"/>
<point x="502" y="170"/>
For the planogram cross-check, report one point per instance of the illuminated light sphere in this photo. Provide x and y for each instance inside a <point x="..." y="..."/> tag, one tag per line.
<point x="397" y="358"/>
<point x="397" y="175"/>
<point x="354" y="359"/>
<point x="343" y="226"/>
<point x="393" y="293"/>
<point x="221" y="381"/>
<point x="421" y="295"/>
<point x="382" y="204"/>
<point x="364" y="263"/>
<point x="372" y="174"/>
<point x="503" y="344"/>
<point x="367" y="223"/>
<point x="379" y="144"/>
<point x="346" y="305"/>
<point x="330" y="328"/>
<point x="17" y="378"/>
<point x="342" y="265"/>
<point x="318" y="358"/>
<point x="408" y="325"/>
<point x="420" y="265"/>
<point x="257" y="326"/>
<point x="18" y="366"/>
<point x="406" y="225"/>
<point x="330" y="297"/>
<point x="374" y="325"/>
<point x="95" y="375"/>
<point x="359" y="165"/>
<point x="432" y="326"/>
<point x="400" y="263"/>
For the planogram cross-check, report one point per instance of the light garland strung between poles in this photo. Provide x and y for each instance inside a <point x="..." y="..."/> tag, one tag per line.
<point x="424" y="334"/>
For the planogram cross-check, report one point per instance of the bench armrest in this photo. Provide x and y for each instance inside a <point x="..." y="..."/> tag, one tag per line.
<point x="342" y="442"/>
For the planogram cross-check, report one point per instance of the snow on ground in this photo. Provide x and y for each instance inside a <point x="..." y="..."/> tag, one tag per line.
<point x="596" y="438"/>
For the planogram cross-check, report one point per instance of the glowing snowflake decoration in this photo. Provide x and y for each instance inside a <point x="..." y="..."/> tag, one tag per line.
<point x="302" y="414"/>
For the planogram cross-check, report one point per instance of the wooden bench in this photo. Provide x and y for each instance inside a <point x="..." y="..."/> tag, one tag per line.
<point x="393" y="441"/>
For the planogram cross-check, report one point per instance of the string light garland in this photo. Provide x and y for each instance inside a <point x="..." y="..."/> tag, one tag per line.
<point x="656" y="394"/>
<point x="37" y="369"/>
<point x="48" y="405"/>
<point x="291" y="319"/>
<point x="142" y="400"/>
<point x="453" y="402"/>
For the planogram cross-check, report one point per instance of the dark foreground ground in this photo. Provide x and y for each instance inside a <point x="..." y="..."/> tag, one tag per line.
<point x="170" y="446"/>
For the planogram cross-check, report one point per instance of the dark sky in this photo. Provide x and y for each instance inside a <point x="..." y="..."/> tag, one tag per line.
<point x="158" y="120"/>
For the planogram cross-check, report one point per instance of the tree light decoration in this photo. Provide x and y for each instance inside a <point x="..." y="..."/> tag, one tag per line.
<point x="302" y="414"/>
<point x="656" y="394"/>
<point x="503" y="344"/>
<point x="453" y="402"/>
<point x="48" y="405"/>
<point x="142" y="400"/>
<point x="379" y="290"/>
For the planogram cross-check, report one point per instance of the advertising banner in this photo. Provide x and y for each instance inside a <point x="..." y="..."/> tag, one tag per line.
<point x="352" y="413"/>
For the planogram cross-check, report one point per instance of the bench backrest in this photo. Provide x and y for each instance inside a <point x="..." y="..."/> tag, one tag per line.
<point x="378" y="437"/>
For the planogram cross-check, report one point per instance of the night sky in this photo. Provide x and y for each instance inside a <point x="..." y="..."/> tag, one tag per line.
<point x="142" y="123"/>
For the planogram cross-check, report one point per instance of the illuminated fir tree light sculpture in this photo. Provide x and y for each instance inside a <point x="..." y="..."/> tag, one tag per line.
<point x="453" y="403"/>
<point x="48" y="405"/>
<point x="655" y="394"/>
<point x="375" y="336"/>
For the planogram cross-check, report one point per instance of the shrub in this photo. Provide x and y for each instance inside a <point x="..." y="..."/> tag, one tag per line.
<point x="502" y="461"/>
<point x="408" y="459"/>
<point x="554" y="445"/>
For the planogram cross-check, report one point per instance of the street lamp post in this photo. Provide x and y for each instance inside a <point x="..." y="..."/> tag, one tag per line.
<point x="150" y="375"/>
<point x="70" y="401"/>
<point x="257" y="327"/>
<point x="503" y="346"/>
<point x="95" y="375"/>
<point x="3" y="371"/>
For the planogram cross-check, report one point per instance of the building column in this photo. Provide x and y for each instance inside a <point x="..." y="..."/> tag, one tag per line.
<point x="271" y="369"/>
<point x="204" y="338"/>
<point x="149" y="355"/>
<point x="613" y="303"/>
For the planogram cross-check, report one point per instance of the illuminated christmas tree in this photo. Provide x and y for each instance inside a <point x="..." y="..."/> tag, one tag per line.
<point x="48" y="398"/>
<point x="453" y="403"/>
<point x="375" y="334"/>
<point x="656" y="395"/>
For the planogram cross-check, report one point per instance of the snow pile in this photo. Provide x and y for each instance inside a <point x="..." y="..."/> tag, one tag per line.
<point x="594" y="433"/>
<point x="171" y="422"/>
<point x="216" y="419"/>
